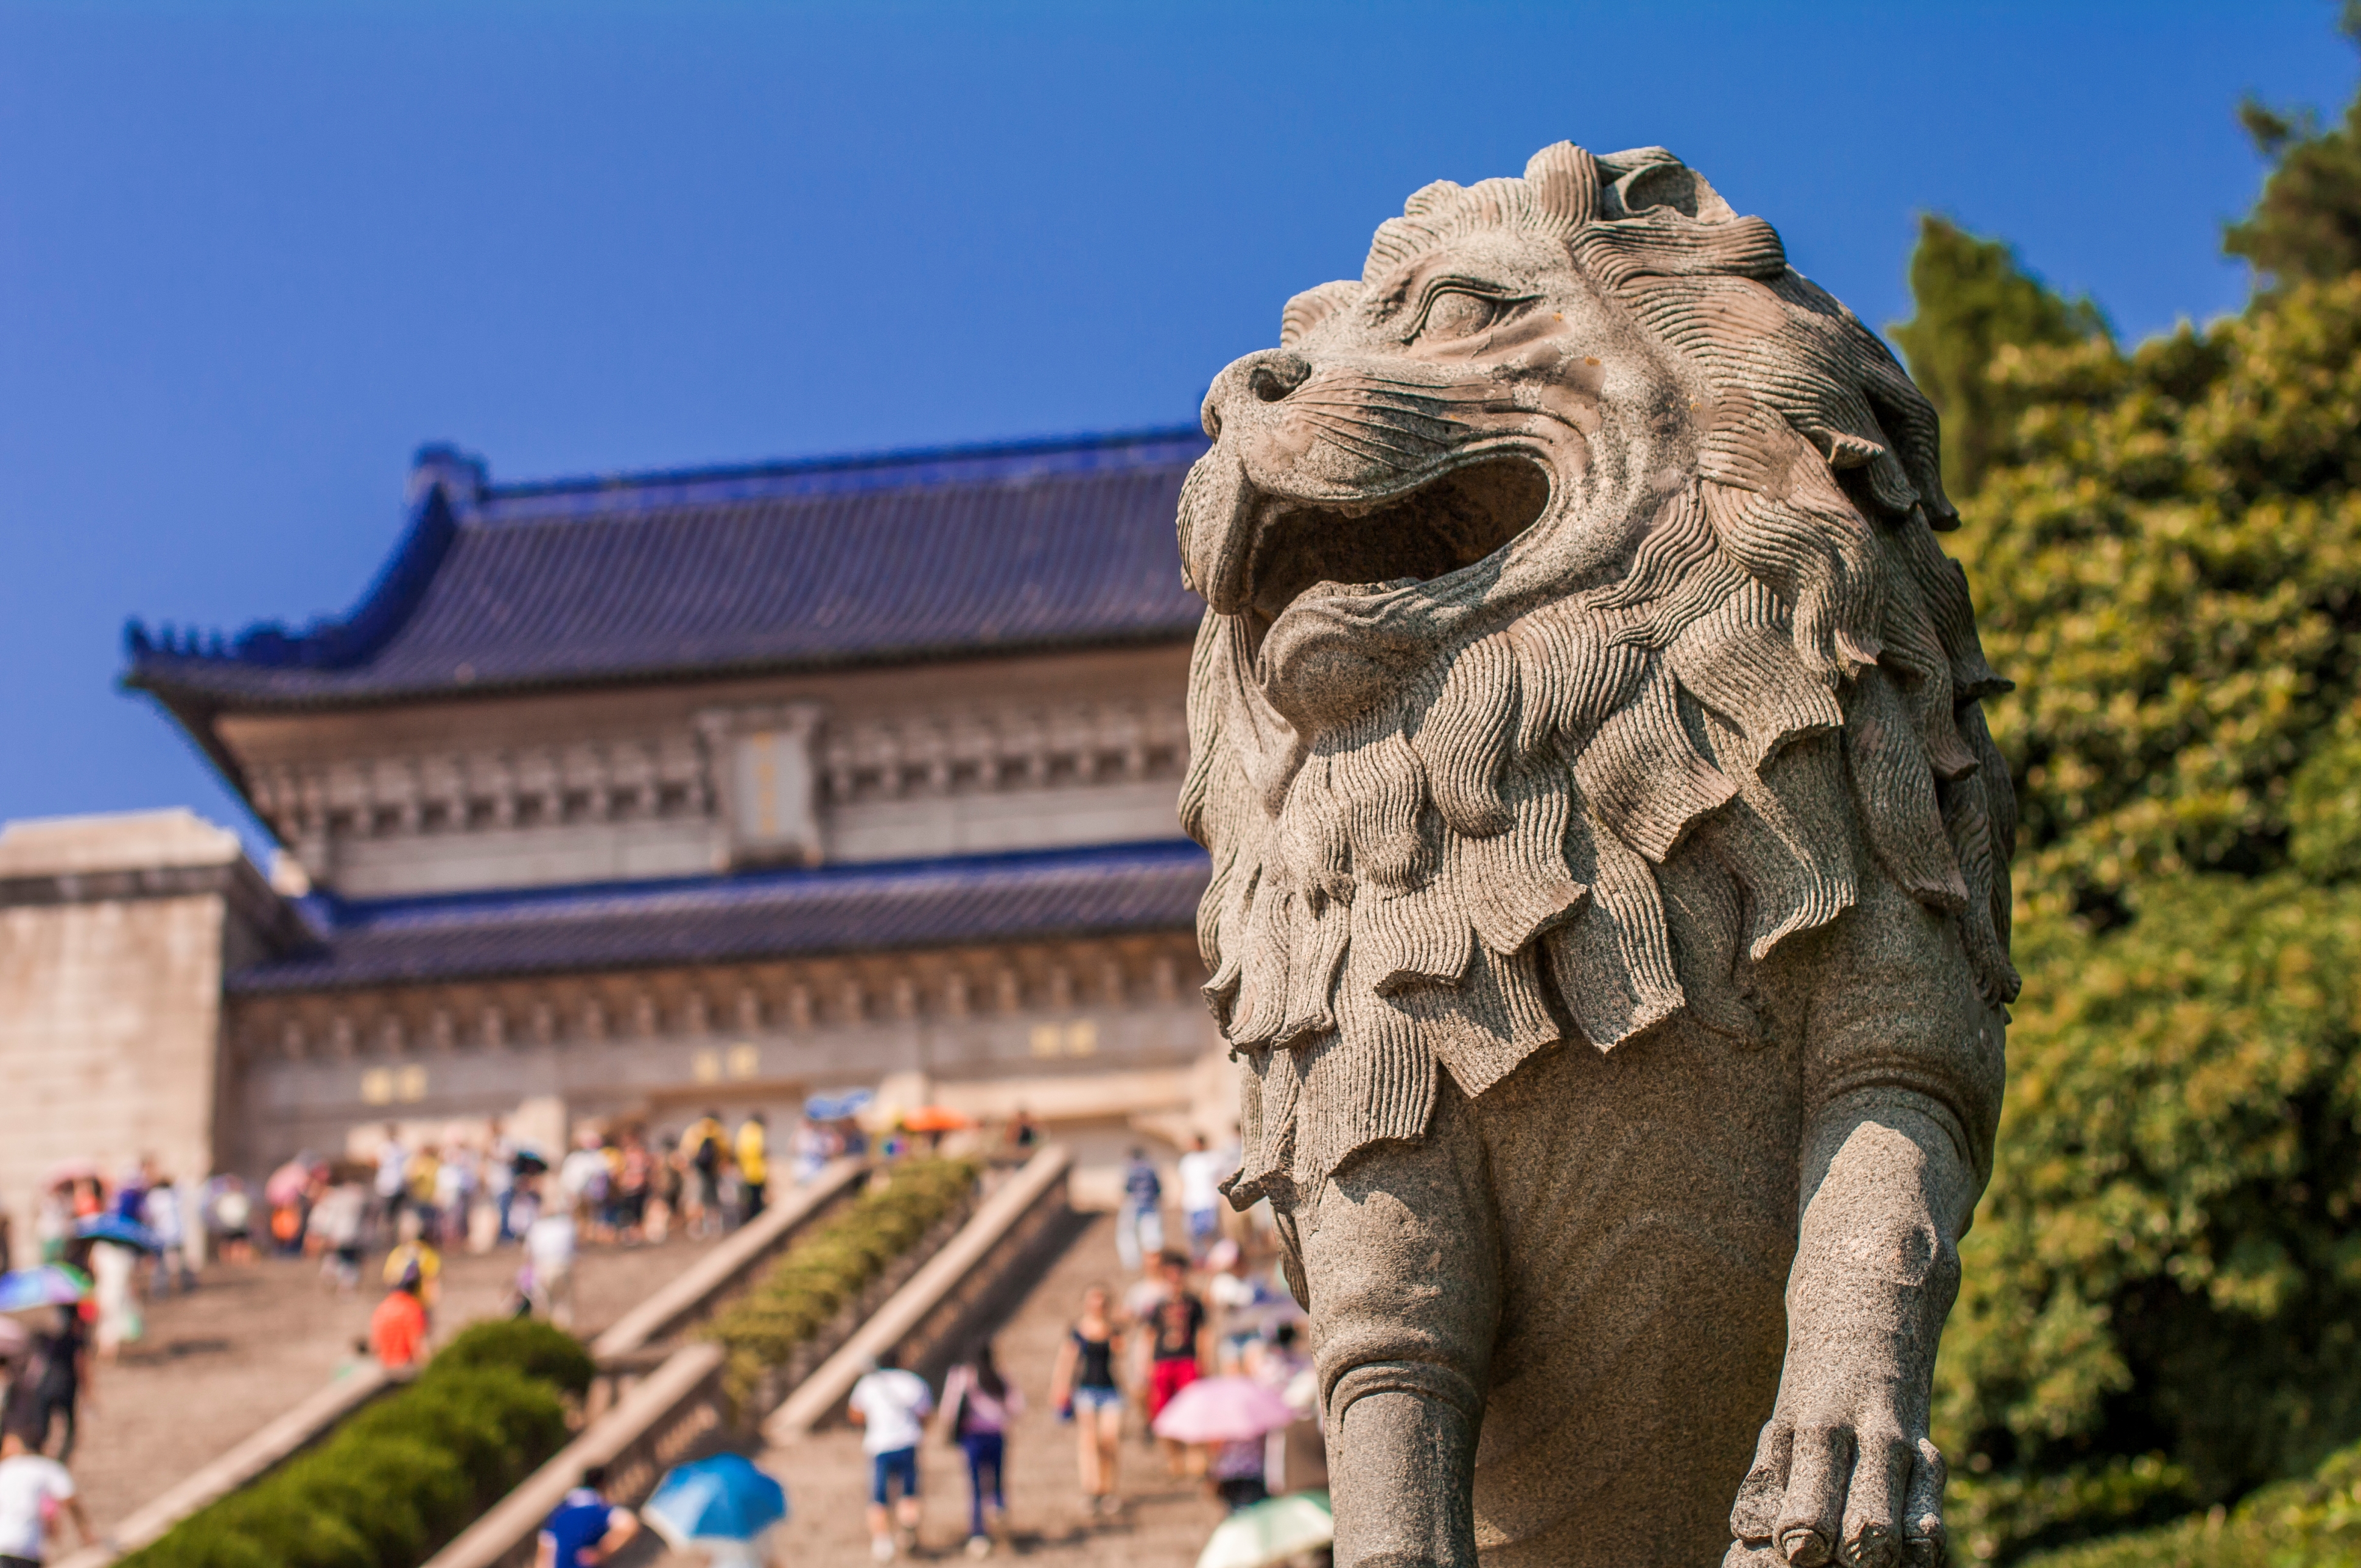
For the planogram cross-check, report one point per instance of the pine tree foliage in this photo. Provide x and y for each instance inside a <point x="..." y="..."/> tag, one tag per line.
<point x="1975" y="297"/>
<point x="2307" y="223"/>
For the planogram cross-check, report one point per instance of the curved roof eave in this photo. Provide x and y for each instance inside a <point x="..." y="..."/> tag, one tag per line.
<point x="1018" y="896"/>
<point x="871" y="561"/>
<point x="204" y="700"/>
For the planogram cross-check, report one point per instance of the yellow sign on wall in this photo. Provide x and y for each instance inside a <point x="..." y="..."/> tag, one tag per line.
<point x="743" y="1061"/>
<point x="384" y="1085"/>
<point x="1076" y="1039"/>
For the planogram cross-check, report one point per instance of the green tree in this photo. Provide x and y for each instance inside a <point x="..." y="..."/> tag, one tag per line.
<point x="2308" y="223"/>
<point x="1973" y="297"/>
<point x="2169" y="565"/>
<point x="2162" y="1304"/>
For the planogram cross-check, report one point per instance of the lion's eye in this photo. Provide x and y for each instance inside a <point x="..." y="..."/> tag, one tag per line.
<point x="1454" y="312"/>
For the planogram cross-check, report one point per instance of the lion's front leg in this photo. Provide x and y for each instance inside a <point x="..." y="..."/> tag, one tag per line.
<point x="1402" y="1261"/>
<point x="1845" y="1467"/>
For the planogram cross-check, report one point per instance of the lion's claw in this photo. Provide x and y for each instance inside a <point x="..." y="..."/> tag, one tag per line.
<point x="1872" y="1546"/>
<point x="1823" y="1496"/>
<point x="1804" y="1547"/>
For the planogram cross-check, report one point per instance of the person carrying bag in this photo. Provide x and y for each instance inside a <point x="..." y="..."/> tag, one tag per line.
<point x="979" y="1407"/>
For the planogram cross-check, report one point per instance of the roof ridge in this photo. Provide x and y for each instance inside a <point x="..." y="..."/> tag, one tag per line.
<point x="843" y="462"/>
<point x="618" y="496"/>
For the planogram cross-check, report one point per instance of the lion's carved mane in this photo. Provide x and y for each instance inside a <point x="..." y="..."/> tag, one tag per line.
<point x="1577" y="820"/>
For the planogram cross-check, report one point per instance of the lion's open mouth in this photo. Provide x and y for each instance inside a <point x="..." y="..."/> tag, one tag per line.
<point x="1453" y="521"/>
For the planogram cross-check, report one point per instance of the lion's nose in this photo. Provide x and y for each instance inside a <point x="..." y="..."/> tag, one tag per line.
<point x="1267" y="378"/>
<point x="1273" y="376"/>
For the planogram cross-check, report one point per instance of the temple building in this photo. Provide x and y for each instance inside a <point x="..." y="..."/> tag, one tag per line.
<point x="627" y="795"/>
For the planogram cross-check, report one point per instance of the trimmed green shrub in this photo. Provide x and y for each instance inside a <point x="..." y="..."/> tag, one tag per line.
<point x="521" y="1344"/>
<point x="403" y="1475"/>
<point x="805" y="1289"/>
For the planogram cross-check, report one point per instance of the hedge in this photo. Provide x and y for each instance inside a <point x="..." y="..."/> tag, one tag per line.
<point x="405" y="1474"/>
<point x="805" y="1289"/>
<point x="2311" y="1523"/>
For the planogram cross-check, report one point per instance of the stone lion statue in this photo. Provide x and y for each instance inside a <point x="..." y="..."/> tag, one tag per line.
<point x="1609" y="908"/>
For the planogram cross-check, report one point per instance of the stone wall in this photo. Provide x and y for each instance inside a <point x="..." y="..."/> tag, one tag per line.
<point x="1103" y="1040"/>
<point x="622" y="783"/>
<point x="115" y="933"/>
<point x="117" y="1039"/>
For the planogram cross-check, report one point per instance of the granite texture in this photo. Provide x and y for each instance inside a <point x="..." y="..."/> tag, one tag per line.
<point x="1610" y="902"/>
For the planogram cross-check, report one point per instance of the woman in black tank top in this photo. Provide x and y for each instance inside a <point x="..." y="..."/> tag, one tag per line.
<point x="1095" y="1362"/>
<point x="1084" y="1389"/>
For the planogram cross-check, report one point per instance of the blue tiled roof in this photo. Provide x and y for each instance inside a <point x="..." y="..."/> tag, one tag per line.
<point x="1036" y="895"/>
<point x="892" y="557"/>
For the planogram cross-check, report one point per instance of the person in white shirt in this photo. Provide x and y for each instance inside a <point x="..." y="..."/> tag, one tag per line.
<point x="1238" y="1300"/>
<point x="890" y="1406"/>
<point x="393" y="1174"/>
<point x="30" y="1484"/>
<point x="161" y="1211"/>
<point x="1201" y="1194"/>
<point x="549" y="1246"/>
<point x="455" y="1190"/>
<point x="811" y="1152"/>
<point x="582" y="1182"/>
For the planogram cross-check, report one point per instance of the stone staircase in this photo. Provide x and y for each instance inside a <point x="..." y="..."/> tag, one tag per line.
<point x="1164" y="1525"/>
<point x="254" y="1341"/>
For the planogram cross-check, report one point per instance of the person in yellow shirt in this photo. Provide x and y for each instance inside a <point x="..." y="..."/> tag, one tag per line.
<point x="414" y="1258"/>
<point x="420" y="1174"/>
<point x="754" y="1170"/>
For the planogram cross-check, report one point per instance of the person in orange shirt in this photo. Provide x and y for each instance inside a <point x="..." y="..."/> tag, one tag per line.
<point x="397" y="1334"/>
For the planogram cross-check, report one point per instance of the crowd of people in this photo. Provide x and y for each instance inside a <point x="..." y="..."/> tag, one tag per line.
<point x="1212" y="1305"/>
<point x="1215" y="1308"/>
<point x="616" y="1186"/>
<point x="123" y="1244"/>
<point x="479" y="1190"/>
<point x="138" y="1238"/>
<point x="85" y="1229"/>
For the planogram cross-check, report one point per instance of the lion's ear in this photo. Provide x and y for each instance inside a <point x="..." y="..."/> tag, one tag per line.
<point x="1645" y="177"/>
<point x="1313" y="306"/>
<point x="1563" y="180"/>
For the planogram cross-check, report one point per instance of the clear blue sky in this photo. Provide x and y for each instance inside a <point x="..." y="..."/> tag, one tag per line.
<point x="251" y="255"/>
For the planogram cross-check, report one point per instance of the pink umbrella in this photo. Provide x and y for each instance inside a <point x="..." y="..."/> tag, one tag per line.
<point x="70" y="1171"/>
<point x="1223" y="1410"/>
<point x="285" y="1184"/>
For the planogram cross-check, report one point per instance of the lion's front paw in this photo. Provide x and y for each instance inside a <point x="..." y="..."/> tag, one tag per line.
<point x="1850" y="1486"/>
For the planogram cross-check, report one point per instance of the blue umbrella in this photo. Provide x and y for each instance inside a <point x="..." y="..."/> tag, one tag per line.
<point x="720" y="1498"/>
<point x="121" y="1232"/>
<point x="51" y="1285"/>
<point x="837" y="1107"/>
